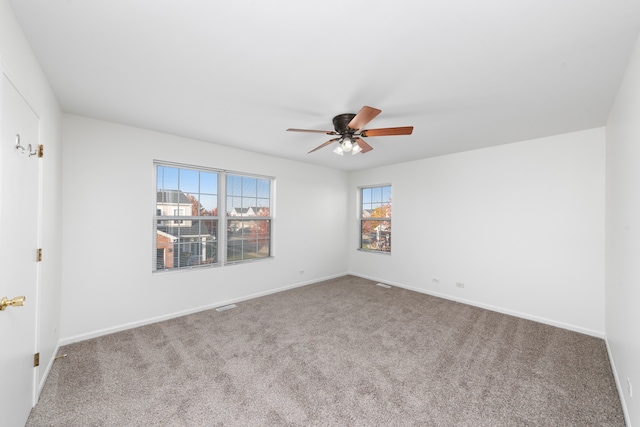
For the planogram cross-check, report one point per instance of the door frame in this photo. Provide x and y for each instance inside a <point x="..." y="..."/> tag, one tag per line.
<point x="11" y="77"/>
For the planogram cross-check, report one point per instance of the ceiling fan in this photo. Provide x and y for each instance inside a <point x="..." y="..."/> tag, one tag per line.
<point x="349" y="128"/>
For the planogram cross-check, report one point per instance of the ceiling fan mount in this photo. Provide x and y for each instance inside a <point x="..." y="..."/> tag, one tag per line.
<point x="341" y="123"/>
<point x="349" y="128"/>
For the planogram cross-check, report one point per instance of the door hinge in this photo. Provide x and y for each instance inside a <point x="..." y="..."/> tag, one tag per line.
<point x="41" y="150"/>
<point x="39" y="256"/>
<point x="36" y="360"/>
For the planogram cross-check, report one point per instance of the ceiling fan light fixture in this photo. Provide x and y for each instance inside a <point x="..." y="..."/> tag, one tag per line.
<point x="350" y="131"/>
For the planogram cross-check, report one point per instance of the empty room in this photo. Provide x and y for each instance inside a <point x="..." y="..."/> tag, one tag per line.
<point x="320" y="213"/>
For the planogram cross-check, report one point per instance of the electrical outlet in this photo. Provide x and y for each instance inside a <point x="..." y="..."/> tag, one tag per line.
<point x="459" y="285"/>
<point x="434" y="280"/>
<point x="629" y="388"/>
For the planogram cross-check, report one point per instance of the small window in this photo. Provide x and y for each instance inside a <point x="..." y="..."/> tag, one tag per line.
<point x="375" y="218"/>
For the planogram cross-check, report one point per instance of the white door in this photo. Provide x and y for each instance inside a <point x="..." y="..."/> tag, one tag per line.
<point x="19" y="235"/>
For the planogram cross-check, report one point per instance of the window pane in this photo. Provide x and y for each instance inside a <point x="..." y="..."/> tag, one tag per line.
<point x="386" y="194"/>
<point x="208" y="183"/>
<point x="167" y="178"/>
<point x="263" y="203"/>
<point x="208" y="205"/>
<point x="181" y="245"/>
<point x="234" y="206"/>
<point x="248" y="202"/>
<point x="376" y="194"/>
<point x="264" y="188"/>
<point x="375" y="235"/>
<point x="189" y="181"/>
<point x="248" y="196"/>
<point x="366" y="196"/>
<point x="234" y="185"/>
<point x="249" y="187"/>
<point x="248" y="239"/>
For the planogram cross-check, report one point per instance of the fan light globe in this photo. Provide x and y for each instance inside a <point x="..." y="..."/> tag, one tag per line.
<point x="356" y="148"/>
<point x="338" y="150"/>
<point x="346" y="144"/>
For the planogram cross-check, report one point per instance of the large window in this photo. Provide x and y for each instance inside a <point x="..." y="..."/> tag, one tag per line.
<point x="187" y="221"/>
<point x="375" y="218"/>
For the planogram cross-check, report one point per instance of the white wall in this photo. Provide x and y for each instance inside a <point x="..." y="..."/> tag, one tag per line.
<point x="24" y="68"/>
<point x="623" y="237"/>
<point x="108" y="282"/>
<point x="521" y="225"/>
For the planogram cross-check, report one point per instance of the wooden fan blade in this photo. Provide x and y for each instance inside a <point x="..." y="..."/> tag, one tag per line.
<point x="365" y="147"/>
<point x="364" y="116"/>
<point x="405" y="130"/>
<point x="324" y="145"/>
<point x="328" y="132"/>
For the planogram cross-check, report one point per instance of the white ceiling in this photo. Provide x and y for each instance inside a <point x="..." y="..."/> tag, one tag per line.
<point x="466" y="74"/>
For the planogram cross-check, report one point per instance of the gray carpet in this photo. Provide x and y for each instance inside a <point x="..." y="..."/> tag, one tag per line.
<point x="336" y="353"/>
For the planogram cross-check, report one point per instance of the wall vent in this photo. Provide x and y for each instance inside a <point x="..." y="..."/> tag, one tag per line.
<point x="226" y="307"/>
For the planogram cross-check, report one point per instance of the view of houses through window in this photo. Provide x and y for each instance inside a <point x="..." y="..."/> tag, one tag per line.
<point x="249" y="222"/>
<point x="375" y="218"/>
<point x="187" y="221"/>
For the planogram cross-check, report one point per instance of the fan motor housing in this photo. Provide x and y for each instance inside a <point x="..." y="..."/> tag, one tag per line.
<point x="341" y="123"/>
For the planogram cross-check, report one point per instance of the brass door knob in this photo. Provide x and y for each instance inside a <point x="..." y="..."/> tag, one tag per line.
<point x="15" y="302"/>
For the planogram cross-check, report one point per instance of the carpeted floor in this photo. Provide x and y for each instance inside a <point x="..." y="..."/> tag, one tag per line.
<point x="344" y="352"/>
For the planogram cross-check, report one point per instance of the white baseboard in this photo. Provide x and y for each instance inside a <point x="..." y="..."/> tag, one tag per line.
<point x="502" y="310"/>
<point x="619" y="385"/>
<point x="111" y="330"/>
<point x="40" y="385"/>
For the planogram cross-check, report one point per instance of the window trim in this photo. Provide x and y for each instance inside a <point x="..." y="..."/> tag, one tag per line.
<point x="222" y="218"/>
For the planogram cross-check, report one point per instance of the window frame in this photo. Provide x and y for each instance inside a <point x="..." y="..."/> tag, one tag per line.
<point x="362" y="219"/>
<point x="222" y="218"/>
